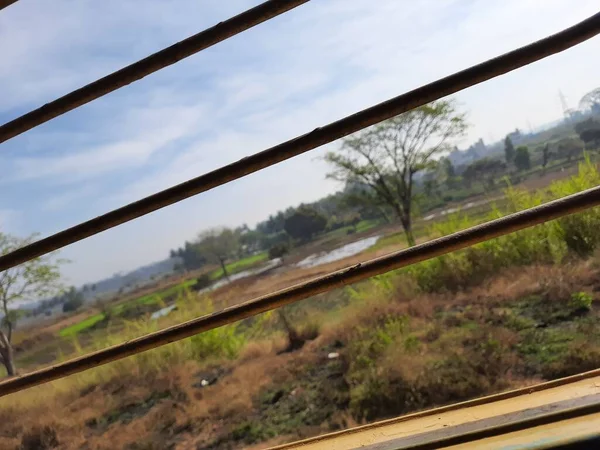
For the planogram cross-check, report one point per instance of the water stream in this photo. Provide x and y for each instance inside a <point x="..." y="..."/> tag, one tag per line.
<point x="344" y="251"/>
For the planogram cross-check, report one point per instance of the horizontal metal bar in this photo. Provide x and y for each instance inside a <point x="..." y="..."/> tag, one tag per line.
<point x="499" y="227"/>
<point x="5" y="3"/>
<point x="153" y="63"/>
<point x="473" y="429"/>
<point x="320" y="136"/>
<point x="321" y="441"/>
<point x="511" y="427"/>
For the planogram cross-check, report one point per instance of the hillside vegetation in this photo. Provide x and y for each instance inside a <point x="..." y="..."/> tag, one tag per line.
<point x="499" y="315"/>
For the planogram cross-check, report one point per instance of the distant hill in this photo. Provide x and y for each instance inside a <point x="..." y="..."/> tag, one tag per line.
<point x="130" y="280"/>
<point x="35" y="310"/>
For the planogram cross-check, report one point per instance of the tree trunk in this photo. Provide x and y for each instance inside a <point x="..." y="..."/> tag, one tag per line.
<point x="384" y="215"/>
<point x="407" y="225"/>
<point x="6" y="355"/>
<point x="405" y="220"/>
<point x="294" y="340"/>
<point x="225" y="273"/>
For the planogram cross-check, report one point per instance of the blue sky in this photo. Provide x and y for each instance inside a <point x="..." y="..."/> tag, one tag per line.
<point x="316" y="64"/>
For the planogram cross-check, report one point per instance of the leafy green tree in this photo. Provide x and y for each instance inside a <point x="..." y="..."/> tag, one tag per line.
<point x="522" y="158"/>
<point x="250" y="240"/>
<point x="431" y="186"/>
<point x="589" y="133"/>
<point x="304" y="223"/>
<point x="486" y="170"/>
<point x="217" y="245"/>
<point x="448" y="168"/>
<point x="191" y="259"/>
<point x="591" y="101"/>
<point x="448" y="174"/>
<point x="32" y="280"/>
<point x="387" y="156"/>
<point x="269" y="240"/>
<point x="73" y="300"/>
<point x="545" y="155"/>
<point x="362" y="198"/>
<point x="569" y="148"/>
<point x="509" y="150"/>
<point x="274" y="224"/>
<point x="278" y="251"/>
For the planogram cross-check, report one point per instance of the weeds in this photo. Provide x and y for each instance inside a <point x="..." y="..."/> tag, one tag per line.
<point x="491" y="317"/>
<point x="548" y="243"/>
<point x="43" y="438"/>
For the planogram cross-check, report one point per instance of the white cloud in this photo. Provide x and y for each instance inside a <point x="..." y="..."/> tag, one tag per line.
<point x="64" y="200"/>
<point x="146" y="132"/>
<point x="317" y="64"/>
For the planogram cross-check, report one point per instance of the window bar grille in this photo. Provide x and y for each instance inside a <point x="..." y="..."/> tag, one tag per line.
<point x="425" y="94"/>
<point x="456" y="241"/>
<point x="510" y="427"/>
<point x="5" y="3"/>
<point x="153" y="63"/>
<point x="324" y="135"/>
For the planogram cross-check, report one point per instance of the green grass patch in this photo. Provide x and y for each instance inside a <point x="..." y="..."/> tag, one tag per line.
<point x="240" y="265"/>
<point x="122" y="308"/>
<point x="81" y="326"/>
<point x="155" y="297"/>
<point x="391" y="239"/>
<point x="365" y="225"/>
<point x="362" y="226"/>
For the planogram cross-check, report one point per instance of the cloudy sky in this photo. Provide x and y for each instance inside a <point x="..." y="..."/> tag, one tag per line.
<point x="318" y="63"/>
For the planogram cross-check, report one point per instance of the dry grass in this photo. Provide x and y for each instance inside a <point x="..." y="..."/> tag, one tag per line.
<point x="400" y="349"/>
<point x="128" y="407"/>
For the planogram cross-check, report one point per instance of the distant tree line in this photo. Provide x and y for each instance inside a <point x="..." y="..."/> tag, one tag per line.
<point x="389" y="171"/>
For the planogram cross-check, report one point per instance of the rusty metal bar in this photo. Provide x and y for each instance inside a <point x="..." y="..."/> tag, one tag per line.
<point x="321" y="440"/>
<point x="511" y="427"/>
<point x="153" y="63"/>
<point x="456" y="241"/>
<point x="5" y="3"/>
<point x="320" y="136"/>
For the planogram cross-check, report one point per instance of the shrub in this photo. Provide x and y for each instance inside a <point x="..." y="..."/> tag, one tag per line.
<point x="580" y="357"/>
<point x="202" y="282"/>
<point x="278" y="251"/>
<point x="72" y="304"/>
<point x="217" y="343"/>
<point x="380" y="396"/>
<point x="43" y="438"/>
<point x="546" y="243"/>
<point x="581" y="301"/>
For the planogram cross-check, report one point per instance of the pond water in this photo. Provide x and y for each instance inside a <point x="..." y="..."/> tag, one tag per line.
<point x="313" y="260"/>
<point x="458" y="208"/>
<point x="162" y="312"/>
<point x="243" y="274"/>
<point x="344" y="251"/>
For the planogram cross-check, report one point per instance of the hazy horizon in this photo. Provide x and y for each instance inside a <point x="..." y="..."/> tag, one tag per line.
<point x="279" y="80"/>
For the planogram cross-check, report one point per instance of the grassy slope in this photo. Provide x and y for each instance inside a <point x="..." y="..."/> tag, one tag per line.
<point x="421" y="232"/>
<point x="503" y="314"/>
<point x="398" y="353"/>
<point x="81" y="326"/>
<point x="160" y="297"/>
<point x="240" y="265"/>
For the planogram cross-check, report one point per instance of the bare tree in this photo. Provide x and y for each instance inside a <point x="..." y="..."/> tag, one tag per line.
<point x="387" y="156"/>
<point x="217" y="245"/>
<point x="32" y="280"/>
